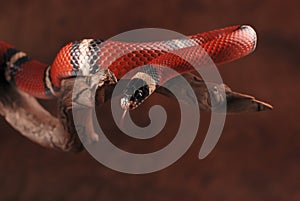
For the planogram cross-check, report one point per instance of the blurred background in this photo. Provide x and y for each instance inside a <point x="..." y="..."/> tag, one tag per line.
<point x="258" y="154"/>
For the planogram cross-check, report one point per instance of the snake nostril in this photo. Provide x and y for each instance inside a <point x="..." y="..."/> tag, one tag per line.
<point x="124" y="103"/>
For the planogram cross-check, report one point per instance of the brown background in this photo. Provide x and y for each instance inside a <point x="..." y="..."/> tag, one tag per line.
<point x="258" y="155"/>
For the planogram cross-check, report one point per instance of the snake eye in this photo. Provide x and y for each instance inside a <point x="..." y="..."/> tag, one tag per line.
<point x="140" y="94"/>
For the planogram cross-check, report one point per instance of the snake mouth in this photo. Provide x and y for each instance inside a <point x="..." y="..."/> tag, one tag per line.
<point x="127" y="104"/>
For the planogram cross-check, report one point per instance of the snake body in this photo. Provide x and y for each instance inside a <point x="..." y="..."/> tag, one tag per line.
<point x="87" y="56"/>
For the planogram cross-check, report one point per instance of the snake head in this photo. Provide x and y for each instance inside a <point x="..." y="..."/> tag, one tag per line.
<point x="139" y="88"/>
<point x="134" y="96"/>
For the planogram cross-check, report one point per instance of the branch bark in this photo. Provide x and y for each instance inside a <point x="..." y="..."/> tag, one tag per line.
<point x="26" y="115"/>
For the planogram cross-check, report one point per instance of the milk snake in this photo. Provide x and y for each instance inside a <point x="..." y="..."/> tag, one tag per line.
<point x="87" y="56"/>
